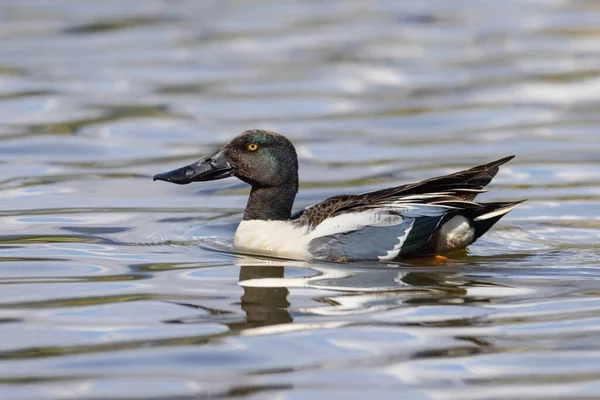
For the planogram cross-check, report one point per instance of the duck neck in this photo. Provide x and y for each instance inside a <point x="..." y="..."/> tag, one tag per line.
<point x="271" y="203"/>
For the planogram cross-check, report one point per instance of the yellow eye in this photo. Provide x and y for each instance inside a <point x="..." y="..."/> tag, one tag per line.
<point x="252" y="146"/>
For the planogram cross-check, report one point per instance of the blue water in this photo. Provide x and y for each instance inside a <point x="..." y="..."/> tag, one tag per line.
<point x="114" y="286"/>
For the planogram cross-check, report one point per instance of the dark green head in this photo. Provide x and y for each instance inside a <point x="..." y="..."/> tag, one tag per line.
<point x="261" y="158"/>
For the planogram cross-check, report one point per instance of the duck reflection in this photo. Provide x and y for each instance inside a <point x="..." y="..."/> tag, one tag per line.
<point x="263" y="306"/>
<point x="347" y="290"/>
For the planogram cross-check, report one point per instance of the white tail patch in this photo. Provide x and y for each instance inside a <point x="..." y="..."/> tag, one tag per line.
<point x="496" y="212"/>
<point x="455" y="234"/>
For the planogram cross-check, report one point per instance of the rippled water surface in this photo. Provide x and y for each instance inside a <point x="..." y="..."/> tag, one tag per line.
<point x="114" y="286"/>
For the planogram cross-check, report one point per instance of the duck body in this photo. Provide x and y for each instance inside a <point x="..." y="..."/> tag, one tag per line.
<point x="435" y="216"/>
<point x="384" y="232"/>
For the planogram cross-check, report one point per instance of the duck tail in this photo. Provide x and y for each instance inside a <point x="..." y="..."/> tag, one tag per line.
<point x="490" y="213"/>
<point x="483" y="174"/>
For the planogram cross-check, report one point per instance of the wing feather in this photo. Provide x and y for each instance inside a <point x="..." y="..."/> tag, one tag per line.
<point x="376" y="234"/>
<point x="457" y="190"/>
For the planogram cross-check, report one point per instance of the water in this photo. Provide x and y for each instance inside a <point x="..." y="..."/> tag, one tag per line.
<point x="114" y="286"/>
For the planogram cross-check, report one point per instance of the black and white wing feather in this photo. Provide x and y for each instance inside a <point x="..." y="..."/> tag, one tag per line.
<point x="376" y="234"/>
<point x="385" y="224"/>
<point x="455" y="190"/>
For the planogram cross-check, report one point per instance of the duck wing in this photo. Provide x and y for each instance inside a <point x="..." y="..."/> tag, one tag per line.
<point x="375" y="234"/>
<point x="388" y="223"/>
<point x="457" y="190"/>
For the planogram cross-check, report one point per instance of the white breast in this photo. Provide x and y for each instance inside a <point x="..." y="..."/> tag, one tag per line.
<point x="278" y="238"/>
<point x="455" y="234"/>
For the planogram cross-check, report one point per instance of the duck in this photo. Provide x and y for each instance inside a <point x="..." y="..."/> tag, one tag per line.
<point x="432" y="217"/>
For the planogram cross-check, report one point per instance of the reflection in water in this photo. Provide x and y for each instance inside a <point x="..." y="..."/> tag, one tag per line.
<point x="359" y="290"/>
<point x="263" y="306"/>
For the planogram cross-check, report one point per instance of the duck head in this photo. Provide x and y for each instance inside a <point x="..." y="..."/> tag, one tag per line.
<point x="261" y="158"/>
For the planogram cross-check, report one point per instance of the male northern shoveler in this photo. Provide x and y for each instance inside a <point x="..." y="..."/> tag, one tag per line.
<point x="435" y="216"/>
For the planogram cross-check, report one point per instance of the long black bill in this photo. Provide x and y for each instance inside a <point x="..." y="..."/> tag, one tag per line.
<point x="208" y="169"/>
